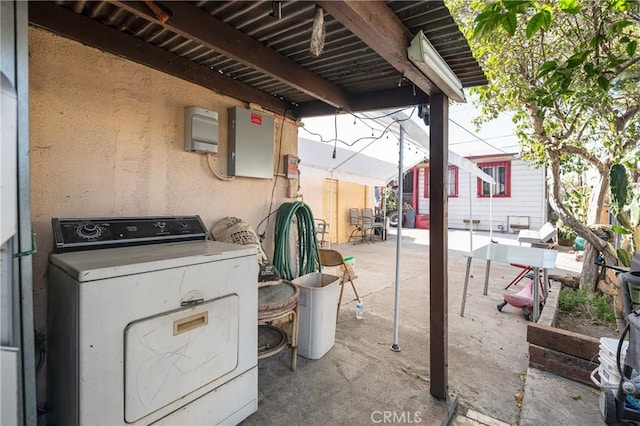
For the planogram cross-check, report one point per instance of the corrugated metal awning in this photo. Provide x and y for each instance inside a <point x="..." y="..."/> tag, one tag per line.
<point x="259" y="51"/>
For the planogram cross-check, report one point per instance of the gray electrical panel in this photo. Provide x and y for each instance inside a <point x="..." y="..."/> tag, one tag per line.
<point x="200" y="130"/>
<point x="250" y="150"/>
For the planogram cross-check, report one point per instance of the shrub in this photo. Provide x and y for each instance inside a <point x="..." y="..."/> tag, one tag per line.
<point x="570" y="299"/>
<point x="599" y="306"/>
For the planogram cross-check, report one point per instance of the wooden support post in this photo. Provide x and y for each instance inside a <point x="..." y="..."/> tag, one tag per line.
<point x="438" y="246"/>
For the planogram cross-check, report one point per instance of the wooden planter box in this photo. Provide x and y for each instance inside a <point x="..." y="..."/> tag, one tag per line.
<point x="565" y="353"/>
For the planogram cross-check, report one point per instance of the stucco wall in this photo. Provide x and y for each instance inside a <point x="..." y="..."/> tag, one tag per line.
<point x="315" y="187"/>
<point x="106" y="139"/>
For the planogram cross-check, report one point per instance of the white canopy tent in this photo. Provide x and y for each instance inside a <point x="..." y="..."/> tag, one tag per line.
<point x="374" y="161"/>
<point x="358" y="167"/>
<point x="316" y="159"/>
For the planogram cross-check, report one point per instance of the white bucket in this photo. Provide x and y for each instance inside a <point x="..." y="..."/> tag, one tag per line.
<point x="608" y="369"/>
<point x="609" y="347"/>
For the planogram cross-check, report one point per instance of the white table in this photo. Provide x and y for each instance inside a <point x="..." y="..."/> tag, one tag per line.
<point x="536" y="258"/>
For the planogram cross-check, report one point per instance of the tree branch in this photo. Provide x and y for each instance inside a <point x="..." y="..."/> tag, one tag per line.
<point x="629" y="144"/>
<point x="582" y="130"/>
<point x="622" y="67"/>
<point x="622" y="121"/>
<point x="587" y="155"/>
<point x="555" y="199"/>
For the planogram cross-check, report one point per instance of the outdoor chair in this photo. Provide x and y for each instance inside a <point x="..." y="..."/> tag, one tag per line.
<point x="370" y="226"/>
<point x="356" y="220"/>
<point x="331" y="258"/>
<point x="546" y="237"/>
<point x="322" y="233"/>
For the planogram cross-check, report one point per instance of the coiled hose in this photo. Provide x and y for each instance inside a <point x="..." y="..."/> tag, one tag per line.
<point x="308" y="254"/>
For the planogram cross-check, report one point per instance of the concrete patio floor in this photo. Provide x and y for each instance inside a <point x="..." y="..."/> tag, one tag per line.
<point x="360" y="380"/>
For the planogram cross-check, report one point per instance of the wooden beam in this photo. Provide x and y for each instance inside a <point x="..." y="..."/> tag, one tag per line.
<point x="376" y="25"/>
<point x="72" y="25"/>
<point x="564" y="341"/>
<point x="438" y="244"/>
<point x="384" y="99"/>
<point x="195" y="24"/>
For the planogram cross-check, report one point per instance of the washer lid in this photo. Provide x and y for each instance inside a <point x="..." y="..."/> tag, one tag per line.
<point x="94" y="265"/>
<point x="167" y="357"/>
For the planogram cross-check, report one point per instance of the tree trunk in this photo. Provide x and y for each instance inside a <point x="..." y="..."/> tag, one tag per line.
<point x="589" y="273"/>
<point x="598" y="197"/>
<point x="597" y="245"/>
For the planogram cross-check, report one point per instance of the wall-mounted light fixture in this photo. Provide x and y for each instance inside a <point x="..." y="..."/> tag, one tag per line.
<point x="424" y="56"/>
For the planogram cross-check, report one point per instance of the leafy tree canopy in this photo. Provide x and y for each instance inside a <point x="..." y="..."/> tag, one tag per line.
<point x="569" y="71"/>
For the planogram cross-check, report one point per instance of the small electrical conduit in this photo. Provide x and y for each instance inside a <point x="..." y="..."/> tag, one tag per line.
<point x="216" y="173"/>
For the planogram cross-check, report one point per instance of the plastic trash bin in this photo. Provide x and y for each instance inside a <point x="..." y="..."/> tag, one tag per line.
<point x="410" y="218"/>
<point x="318" y="307"/>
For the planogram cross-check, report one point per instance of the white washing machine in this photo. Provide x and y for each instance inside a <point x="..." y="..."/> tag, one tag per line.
<point x="146" y="333"/>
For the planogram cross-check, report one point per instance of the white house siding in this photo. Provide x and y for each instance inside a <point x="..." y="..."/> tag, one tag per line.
<point x="528" y="199"/>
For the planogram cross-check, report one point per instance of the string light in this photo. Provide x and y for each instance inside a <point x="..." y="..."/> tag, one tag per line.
<point x="373" y="137"/>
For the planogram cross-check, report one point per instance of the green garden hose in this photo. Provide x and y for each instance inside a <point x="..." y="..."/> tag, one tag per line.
<point x="307" y="244"/>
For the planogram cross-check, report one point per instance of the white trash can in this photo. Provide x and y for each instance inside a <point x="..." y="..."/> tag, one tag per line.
<point x="318" y="307"/>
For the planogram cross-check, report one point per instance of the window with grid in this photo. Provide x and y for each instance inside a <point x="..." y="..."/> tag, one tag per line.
<point x="452" y="182"/>
<point x="501" y="172"/>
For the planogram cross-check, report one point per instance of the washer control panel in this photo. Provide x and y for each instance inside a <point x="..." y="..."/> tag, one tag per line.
<point x="98" y="233"/>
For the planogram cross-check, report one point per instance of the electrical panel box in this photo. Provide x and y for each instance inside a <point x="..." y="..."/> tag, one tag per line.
<point x="291" y="166"/>
<point x="250" y="150"/>
<point x="200" y="130"/>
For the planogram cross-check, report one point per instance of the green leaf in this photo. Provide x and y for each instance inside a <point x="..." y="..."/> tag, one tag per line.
<point x="620" y="230"/>
<point x="625" y="39"/>
<point x="487" y="25"/>
<point x="631" y="48"/>
<point x="589" y="69"/>
<point x="569" y="6"/>
<point x="619" y="182"/>
<point x="546" y="18"/>
<point x="487" y="21"/>
<point x="518" y="6"/>
<point x="603" y="82"/>
<point x="624" y="257"/>
<point x="509" y="22"/>
<point x="621" y="5"/>
<point x="486" y="14"/>
<point x="616" y="27"/>
<point x="577" y="59"/>
<point x="547" y="67"/>
<point x="612" y="63"/>
<point x="536" y="22"/>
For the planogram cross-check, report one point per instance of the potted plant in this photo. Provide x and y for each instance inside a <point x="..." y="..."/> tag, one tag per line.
<point x="566" y="236"/>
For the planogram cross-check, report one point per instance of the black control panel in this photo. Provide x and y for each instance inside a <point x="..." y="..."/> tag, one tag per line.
<point x="98" y="233"/>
